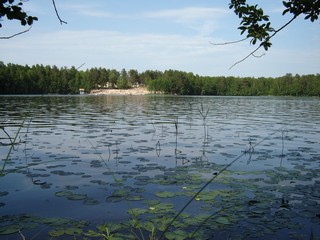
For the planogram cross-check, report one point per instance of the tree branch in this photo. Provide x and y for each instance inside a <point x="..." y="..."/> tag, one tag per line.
<point x="226" y="43"/>
<point x="57" y="13"/>
<point x="258" y="56"/>
<point x="275" y="32"/>
<point x="285" y="25"/>
<point x="80" y="66"/>
<point x="14" y="35"/>
<point x="243" y="59"/>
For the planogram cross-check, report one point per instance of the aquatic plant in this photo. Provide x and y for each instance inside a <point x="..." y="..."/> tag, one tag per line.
<point x="202" y="112"/>
<point x="284" y="132"/>
<point x="13" y="142"/>
<point x="250" y="150"/>
<point x="204" y="115"/>
<point x="194" y="197"/>
<point x="121" y="192"/>
<point x="176" y="123"/>
<point x="158" y="148"/>
<point x="149" y="222"/>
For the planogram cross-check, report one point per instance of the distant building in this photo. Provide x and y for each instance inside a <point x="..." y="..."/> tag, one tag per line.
<point x="81" y="91"/>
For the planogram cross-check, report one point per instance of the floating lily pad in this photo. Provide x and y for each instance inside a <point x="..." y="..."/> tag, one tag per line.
<point x="152" y="202"/>
<point x="137" y="190"/>
<point x="99" y="182"/>
<point x="56" y="233"/>
<point x="120" y="193"/>
<point x="142" y="178"/>
<point x="162" y="208"/>
<point x="70" y="195"/>
<point x="177" y="235"/>
<point x="137" y="211"/>
<point x="96" y="164"/>
<point x="90" y="201"/>
<point x="73" y="231"/>
<point x="86" y="176"/>
<point x="223" y="220"/>
<point x="9" y="229"/>
<point x="4" y="193"/>
<point x="165" y="194"/>
<point x="62" y="173"/>
<point x="77" y="196"/>
<point x="117" y="196"/>
<point x="63" y="193"/>
<point x="69" y="187"/>
<point x="124" y="162"/>
<point x="92" y="234"/>
<point x="134" y="198"/>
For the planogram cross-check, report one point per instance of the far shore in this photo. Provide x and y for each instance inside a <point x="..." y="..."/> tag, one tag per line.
<point x="130" y="91"/>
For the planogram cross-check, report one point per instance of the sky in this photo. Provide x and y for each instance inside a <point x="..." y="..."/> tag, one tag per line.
<point x="158" y="35"/>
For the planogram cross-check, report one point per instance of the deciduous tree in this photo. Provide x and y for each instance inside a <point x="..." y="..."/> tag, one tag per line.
<point x="257" y="25"/>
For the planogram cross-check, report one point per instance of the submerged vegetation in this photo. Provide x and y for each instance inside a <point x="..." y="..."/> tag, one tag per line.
<point x="39" y="79"/>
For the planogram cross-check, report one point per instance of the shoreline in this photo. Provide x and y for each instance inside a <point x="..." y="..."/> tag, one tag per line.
<point x="131" y="91"/>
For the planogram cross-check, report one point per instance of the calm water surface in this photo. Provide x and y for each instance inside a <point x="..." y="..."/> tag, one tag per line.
<point x="94" y="157"/>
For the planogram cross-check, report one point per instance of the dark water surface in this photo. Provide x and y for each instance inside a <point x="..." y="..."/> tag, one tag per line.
<point x="92" y="159"/>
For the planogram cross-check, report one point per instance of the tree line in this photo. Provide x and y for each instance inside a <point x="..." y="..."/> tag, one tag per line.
<point x="39" y="79"/>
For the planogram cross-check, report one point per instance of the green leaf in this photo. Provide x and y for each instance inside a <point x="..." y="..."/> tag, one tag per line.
<point x="92" y="233"/>
<point x="165" y="194"/>
<point x="73" y="231"/>
<point x="56" y="233"/>
<point x="285" y="11"/>
<point x="223" y="220"/>
<point x="6" y="230"/>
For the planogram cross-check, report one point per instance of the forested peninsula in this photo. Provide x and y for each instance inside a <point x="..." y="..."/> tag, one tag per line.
<point x="40" y="79"/>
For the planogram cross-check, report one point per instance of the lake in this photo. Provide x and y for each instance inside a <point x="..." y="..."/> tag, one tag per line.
<point x="124" y="166"/>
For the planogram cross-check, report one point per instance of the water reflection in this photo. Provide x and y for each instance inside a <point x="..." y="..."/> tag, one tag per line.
<point x="76" y="152"/>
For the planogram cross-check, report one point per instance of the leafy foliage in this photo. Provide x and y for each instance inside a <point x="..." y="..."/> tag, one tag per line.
<point x="257" y="25"/>
<point x="310" y="8"/>
<point x="39" y="79"/>
<point x="14" y="11"/>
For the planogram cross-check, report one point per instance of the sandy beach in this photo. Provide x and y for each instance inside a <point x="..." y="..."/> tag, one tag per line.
<point x="131" y="91"/>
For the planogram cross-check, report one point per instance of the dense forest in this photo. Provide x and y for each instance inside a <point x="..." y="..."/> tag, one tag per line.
<point x="39" y="79"/>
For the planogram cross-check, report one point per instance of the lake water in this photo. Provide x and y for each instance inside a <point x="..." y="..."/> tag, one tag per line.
<point x="81" y="164"/>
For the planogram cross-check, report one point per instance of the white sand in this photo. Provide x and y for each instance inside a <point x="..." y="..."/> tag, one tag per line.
<point x="131" y="91"/>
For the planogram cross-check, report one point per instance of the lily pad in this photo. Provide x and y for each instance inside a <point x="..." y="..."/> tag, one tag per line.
<point x="56" y="233"/>
<point x="69" y="187"/>
<point x="73" y="231"/>
<point x="9" y="229"/>
<point x="63" y="193"/>
<point x="4" y="193"/>
<point x="223" y="220"/>
<point x="177" y="235"/>
<point x="90" y="201"/>
<point x="77" y="196"/>
<point x="134" y="198"/>
<point x="137" y="211"/>
<point x="165" y="194"/>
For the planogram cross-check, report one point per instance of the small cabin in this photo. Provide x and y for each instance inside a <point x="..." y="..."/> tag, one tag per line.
<point x="81" y="91"/>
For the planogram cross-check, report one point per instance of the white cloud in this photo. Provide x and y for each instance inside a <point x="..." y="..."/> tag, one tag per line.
<point x="188" y="14"/>
<point x="119" y="50"/>
<point x="131" y="44"/>
<point x="87" y="10"/>
<point x="201" y="20"/>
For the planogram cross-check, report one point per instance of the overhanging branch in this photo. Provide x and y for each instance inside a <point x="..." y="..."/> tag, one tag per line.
<point x="14" y="35"/>
<point x="226" y="43"/>
<point x="255" y="50"/>
<point x="57" y="13"/>
<point x="243" y="59"/>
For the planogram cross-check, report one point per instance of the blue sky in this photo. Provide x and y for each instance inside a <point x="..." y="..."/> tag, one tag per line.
<point x="158" y="35"/>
